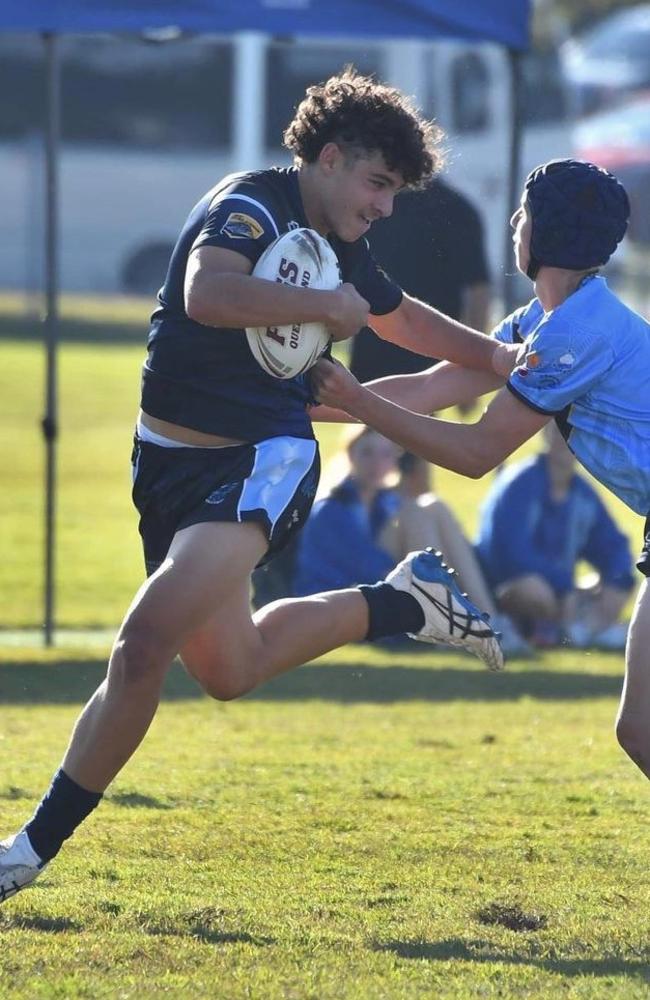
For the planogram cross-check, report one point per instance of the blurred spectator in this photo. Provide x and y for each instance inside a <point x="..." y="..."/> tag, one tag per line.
<point x="539" y="519"/>
<point x="364" y="527"/>
<point x="340" y="543"/>
<point x="433" y="247"/>
<point x="423" y="519"/>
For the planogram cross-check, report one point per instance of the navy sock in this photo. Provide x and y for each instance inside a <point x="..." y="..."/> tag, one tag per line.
<point x="391" y="611"/>
<point x="65" y="805"/>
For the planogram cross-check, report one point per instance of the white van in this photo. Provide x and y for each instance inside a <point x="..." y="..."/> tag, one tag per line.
<point x="147" y="129"/>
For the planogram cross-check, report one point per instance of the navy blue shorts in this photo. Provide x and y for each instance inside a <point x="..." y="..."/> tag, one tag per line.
<point x="643" y="562"/>
<point x="272" y="483"/>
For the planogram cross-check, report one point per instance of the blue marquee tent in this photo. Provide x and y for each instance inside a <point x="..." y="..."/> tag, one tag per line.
<point x="502" y="21"/>
<point x="505" y="22"/>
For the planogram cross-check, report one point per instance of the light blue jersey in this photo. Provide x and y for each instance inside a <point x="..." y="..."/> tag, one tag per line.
<point x="587" y="363"/>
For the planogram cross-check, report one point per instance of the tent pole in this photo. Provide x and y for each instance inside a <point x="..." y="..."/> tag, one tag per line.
<point x="248" y="145"/>
<point x="514" y="169"/>
<point x="49" y="422"/>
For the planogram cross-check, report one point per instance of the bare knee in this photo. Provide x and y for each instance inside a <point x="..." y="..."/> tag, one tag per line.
<point x="633" y="736"/>
<point x="528" y="595"/>
<point x="220" y="677"/>
<point x="225" y="688"/>
<point x="139" y="658"/>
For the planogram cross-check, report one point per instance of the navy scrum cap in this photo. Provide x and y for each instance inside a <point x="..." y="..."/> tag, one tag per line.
<point x="579" y="215"/>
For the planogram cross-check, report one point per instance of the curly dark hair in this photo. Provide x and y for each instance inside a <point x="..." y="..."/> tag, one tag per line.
<point x="365" y="116"/>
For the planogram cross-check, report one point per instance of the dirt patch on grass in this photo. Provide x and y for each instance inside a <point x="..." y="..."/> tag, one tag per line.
<point x="512" y="916"/>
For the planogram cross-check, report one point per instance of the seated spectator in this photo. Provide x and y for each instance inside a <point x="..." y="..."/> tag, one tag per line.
<point x="364" y="527"/>
<point x="339" y="544"/>
<point x="423" y="519"/>
<point x="538" y="521"/>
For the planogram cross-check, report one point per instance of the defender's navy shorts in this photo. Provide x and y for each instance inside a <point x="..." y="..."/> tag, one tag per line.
<point x="643" y="562"/>
<point x="272" y="482"/>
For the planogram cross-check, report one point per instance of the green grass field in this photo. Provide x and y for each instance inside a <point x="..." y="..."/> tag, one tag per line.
<point x="373" y="826"/>
<point x="369" y="826"/>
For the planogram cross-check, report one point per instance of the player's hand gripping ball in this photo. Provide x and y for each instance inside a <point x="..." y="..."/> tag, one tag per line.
<point x="305" y="259"/>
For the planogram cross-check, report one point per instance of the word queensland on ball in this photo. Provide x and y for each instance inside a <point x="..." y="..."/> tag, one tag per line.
<point x="302" y="258"/>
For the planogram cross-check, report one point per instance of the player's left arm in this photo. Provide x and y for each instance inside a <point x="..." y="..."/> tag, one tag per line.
<point x="423" y="329"/>
<point x="469" y="449"/>
<point x="437" y="388"/>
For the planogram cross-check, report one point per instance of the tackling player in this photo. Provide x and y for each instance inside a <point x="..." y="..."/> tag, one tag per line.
<point x="225" y="464"/>
<point x="584" y="362"/>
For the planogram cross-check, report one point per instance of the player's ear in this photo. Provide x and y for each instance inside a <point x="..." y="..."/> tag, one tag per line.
<point x="330" y="157"/>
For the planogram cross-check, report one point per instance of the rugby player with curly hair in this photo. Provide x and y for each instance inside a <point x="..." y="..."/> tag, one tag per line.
<point x="225" y="465"/>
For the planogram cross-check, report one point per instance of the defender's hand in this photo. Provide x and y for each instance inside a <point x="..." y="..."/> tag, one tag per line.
<point x="505" y="358"/>
<point x="348" y="314"/>
<point x="334" y="385"/>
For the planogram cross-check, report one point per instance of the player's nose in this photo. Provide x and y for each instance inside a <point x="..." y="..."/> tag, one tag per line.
<point x="385" y="203"/>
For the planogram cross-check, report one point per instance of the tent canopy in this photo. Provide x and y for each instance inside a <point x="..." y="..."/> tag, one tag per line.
<point x="502" y="21"/>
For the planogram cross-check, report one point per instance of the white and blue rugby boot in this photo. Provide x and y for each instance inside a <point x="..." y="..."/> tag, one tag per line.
<point x="19" y="865"/>
<point x="449" y="615"/>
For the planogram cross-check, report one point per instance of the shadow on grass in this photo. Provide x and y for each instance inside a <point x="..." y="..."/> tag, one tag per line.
<point x="484" y="952"/>
<point x="12" y="793"/>
<point x="50" y="925"/>
<point x="77" y="331"/>
<point x="209" y="924"/>
<point x="208" y="936"/>
<point x="73" y="682"/>
<point x="134" y="800"/>
<point x="352" y="682"/>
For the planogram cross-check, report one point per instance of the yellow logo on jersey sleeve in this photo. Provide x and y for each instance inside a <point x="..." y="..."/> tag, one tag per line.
<point x="242" y="227"/>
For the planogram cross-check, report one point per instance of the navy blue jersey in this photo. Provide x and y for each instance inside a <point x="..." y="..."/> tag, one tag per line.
<point x="206" y="378"/>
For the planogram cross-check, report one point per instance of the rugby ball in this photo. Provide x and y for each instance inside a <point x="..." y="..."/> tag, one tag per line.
<point x="303" y="258"/>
